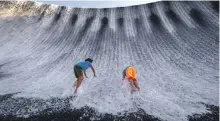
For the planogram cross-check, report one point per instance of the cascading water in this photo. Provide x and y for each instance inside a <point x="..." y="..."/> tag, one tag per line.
<point x="173" y="45"/>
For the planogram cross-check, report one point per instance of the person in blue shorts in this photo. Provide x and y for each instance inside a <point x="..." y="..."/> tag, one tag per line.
<point x="79" y="69"/>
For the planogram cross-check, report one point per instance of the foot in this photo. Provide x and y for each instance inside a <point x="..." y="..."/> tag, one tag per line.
<point x="75" y="91"/>
<point x="133" y="90"/>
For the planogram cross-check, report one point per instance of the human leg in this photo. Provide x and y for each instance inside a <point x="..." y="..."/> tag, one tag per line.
<point x="132" y="85"/>
<point x="78" y="83"/>
<point x="136" y="84"/>
<point x="79" y="75"/>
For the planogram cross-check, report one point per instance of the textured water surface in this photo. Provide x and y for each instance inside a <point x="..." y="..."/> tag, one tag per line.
<point x="173" y="45"/>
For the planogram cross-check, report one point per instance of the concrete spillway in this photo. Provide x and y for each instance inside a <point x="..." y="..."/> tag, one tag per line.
<point x="173" y="45"/>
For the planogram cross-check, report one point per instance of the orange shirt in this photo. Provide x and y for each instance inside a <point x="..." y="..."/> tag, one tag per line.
<point x="131" y="73"/>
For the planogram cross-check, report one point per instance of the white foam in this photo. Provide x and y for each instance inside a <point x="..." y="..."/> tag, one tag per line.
<point x="40" y="64"/>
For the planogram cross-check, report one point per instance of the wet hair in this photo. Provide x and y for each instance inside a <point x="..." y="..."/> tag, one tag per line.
<point x="89" y="59"/>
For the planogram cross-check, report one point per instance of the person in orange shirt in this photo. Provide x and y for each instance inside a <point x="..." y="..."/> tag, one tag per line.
<point x="131" y="74"/>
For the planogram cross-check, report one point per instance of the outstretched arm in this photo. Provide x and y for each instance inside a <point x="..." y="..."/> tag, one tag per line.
<point x="123" y="77"/>
<point x="85" y="73"/>
<point x="93" y="71"/>
<point x="123" y="74"/>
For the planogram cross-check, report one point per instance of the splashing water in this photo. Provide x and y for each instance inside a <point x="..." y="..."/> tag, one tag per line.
<point x="173" y="46"/>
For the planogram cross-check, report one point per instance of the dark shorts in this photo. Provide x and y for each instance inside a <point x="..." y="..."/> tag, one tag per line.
<point x="78" y="71"/>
